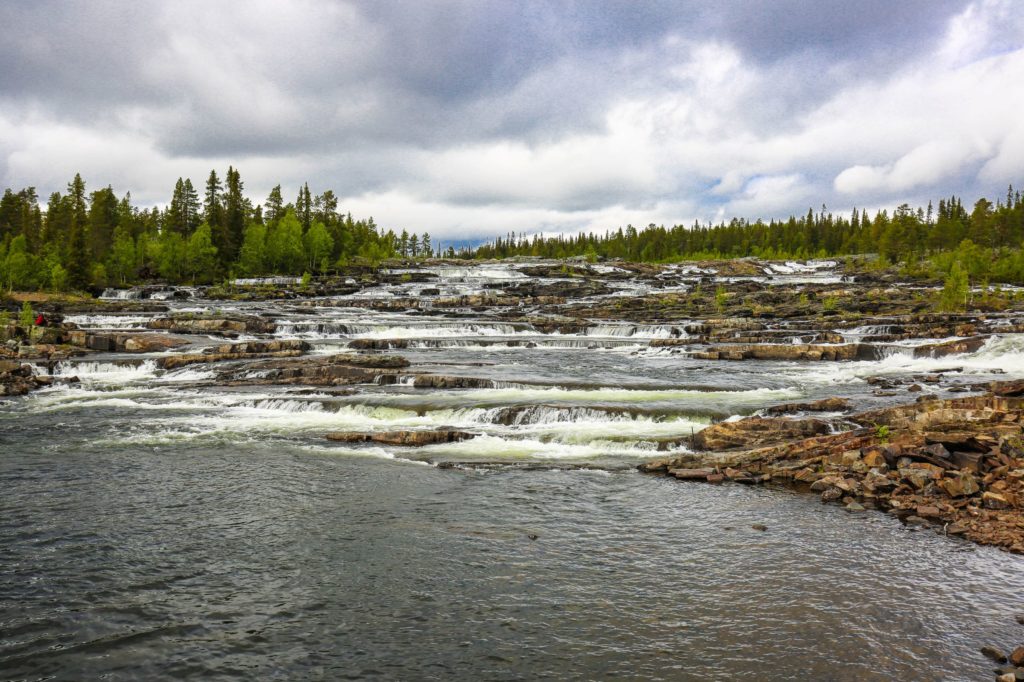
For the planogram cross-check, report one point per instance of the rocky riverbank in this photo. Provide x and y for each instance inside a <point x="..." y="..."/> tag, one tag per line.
<point x="956" y="465"/>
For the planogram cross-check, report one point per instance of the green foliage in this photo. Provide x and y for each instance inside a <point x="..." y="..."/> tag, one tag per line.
<point x="98" y="275"/>
<point x="318" y="243"/>
<point x="829" y="303"/>
<point x="123" y="257"/>
<point x="285" y="254"/>
<point x="953" y="297"/>
<point x="253" y="255"/>
<point x="58" y="277"/>
<point x="721" y="298"/>
<point x="882" y="433"/>
<point x="201" y="254"/>
<point x="79" y="229"/>
<point x="28" y="318"/>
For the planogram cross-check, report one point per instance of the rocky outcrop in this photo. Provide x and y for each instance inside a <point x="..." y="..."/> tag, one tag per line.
<point x="403" y="438"/>
<point x="343" y="369"/>
<point x="378" y="344"/>
<point x="757" y="431"/>
<point x="782" y="351"/>
<point x="445" y="381"/>
<point x="824" y="405"/>
<point x="16" y="378"/>
<point x="957" y="463"/>
<point x="186" y="323"/>
<point x="960" y="346"/>
<point x="124" y="343"/>
<point x="237" y="351"/>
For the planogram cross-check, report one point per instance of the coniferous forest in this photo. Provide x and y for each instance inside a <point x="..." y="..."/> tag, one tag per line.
<point x="83" y="239"/>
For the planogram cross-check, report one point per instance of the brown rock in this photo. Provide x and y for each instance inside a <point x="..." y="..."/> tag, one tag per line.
<point x="691" y="474"/>
<point x="824" y="405"/>
<point x="409" y="438"/>
<point x="1017" y="656"/>
<point x="756" y="431"/>
<point x="960" y="484"/>
<point x="994" y="653"/>
<point x="994" y="501"/>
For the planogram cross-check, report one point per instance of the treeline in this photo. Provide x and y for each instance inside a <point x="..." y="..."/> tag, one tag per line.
<point x="94" y="239"/>
<point x="986" y="240"/>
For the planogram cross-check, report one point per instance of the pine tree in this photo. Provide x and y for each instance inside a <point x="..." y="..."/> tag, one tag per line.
<point x="77" y="260"/>
<point x="304" y="208"/>
<point x="274" y="206"/>
<point x="234" y="216"/>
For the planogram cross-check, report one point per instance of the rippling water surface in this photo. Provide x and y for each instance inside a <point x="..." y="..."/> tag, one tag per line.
<point x="153" y="526"/>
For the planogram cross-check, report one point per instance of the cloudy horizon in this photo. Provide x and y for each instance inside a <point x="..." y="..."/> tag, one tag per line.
<point x="472" y="119"/>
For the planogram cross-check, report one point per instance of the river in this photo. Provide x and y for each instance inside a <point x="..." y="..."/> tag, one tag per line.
<point x="159" y="525"/>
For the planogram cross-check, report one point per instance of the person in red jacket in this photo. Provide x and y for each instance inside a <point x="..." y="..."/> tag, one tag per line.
<point x="40" y="320"/>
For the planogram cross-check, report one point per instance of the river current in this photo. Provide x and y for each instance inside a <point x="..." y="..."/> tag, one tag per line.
<point x="155" y="525"/>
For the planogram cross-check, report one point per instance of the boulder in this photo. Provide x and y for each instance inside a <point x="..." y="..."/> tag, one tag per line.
<point x="941" y="350"/>
<point x="961" y="484"/>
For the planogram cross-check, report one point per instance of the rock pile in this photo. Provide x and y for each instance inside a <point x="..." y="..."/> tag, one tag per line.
<point x="958" y="464"/>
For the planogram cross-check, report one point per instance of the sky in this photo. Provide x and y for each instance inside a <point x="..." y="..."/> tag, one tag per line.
<point x="469" y="119"/>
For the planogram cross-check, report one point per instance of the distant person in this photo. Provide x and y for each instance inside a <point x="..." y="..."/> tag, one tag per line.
<point x="40" y="320"/>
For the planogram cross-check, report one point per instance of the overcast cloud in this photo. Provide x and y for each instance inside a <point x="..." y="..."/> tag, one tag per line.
<point x="470" y="119"/>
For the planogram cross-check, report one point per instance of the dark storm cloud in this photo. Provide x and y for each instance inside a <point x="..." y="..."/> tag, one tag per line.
<point x="414" y="73"/>
<point x="490" y="109"/>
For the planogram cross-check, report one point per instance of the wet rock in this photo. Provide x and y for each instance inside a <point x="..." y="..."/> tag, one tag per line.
<point x="757" y="431"/>
<point x="788" y="351"/>
<point x="759" y="526"/>
<point x="1007" y="389"/>
<point x="1017" y="656"/>
<point x="124" y="343"/>
<point x="994" y="653"/>
<point x="342" y="369"/>
<point x="831" y="494"/>
<point x="378" y="344"/>
<point x="691" y="474"/>
<point x="824" y="405"/>
<point x="444" y="381"/>
<point x="940" y="350"/>
<point x="15" y="378"/>
<point x="237" y="351"/>
<point x="405" y="438"/>
<point x="187" y="323"/>
<point x="855" y="507"/>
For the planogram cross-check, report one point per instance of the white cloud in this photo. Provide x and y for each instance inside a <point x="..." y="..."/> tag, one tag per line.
<point x="539" y="137"/>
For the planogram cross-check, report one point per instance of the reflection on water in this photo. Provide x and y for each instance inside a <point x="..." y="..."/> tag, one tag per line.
<point x="173" y="561"/>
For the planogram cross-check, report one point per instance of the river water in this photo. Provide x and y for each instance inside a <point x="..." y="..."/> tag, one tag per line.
<point x="154" y="525"/>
